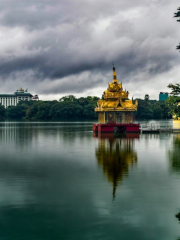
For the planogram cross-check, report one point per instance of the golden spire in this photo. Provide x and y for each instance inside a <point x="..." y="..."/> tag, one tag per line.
<point x="114" y="75"/>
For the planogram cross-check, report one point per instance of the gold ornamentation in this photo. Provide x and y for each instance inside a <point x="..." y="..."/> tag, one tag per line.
<point x="115" y="98"/>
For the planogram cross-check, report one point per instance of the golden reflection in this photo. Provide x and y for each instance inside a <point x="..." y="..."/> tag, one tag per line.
<point x="116" y="155"/>
<point x="174" y="154"/>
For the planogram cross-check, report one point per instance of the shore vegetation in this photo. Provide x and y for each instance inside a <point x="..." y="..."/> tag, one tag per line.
<point x="71" y="108"/>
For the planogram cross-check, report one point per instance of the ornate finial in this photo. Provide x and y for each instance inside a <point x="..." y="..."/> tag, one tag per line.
<point x="114" y="73"/>
<point x="113" y="67"/>
<point x="21" y="90"/>
<point x="114" y="70"/>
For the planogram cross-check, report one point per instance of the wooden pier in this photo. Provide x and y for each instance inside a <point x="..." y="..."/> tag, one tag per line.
<point x="155" y="128"/>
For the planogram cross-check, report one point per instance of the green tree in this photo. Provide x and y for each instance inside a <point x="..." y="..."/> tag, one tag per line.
<point x="43" y="109"/>
<point x="66" y="111"/>
<point x="174" y="154"/>
<point x="68" y="98"/>
<point x="172" y="104"/>
<point x="16" y="112"/>
<point x="175" y="89"/>
<point x="2" y="112"/>
<point x="157" y="112"/>
<point x="145" y="110"/>
<point x="31" y="112"/>
<point x="55" y="112"/>
<point x="173" y="100"/>
<point x="71" y="111"/>
<point x="82" y="101"/>
<point x="93" y="99"/>
<point x="89" y="112"/>
<point x="165" y="110"/>
<point x="177" y="15"/>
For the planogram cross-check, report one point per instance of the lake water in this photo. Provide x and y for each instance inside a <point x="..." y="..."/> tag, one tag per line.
<point x="58" y="181"/>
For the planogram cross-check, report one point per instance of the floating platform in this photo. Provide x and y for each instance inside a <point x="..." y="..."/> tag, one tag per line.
<point x="150" y="131"/>
<point x="132" y="128"/>
<point x="116" y="128"/>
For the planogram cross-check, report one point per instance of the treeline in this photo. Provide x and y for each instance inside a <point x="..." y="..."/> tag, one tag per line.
<point x="67" y="108"/>
<point x="152" y="109"/>
<point x="72" y="108"/>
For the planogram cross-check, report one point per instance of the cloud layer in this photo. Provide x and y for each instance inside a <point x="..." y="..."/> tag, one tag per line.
<point x="68" y="47"/>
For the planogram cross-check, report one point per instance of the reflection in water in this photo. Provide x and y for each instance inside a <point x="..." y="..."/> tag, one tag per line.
<point x="174" y="154"/>
<point x="13" y="134"/>
<point x="49" y="175"/>
<point x="115" y="155"/>
<point x="178" y="216"/>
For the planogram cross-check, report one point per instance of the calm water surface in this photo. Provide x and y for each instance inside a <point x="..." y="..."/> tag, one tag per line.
<point x="58" y="181"/>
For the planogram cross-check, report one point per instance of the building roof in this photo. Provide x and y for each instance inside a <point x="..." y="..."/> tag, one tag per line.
<point x="22" y="94"/>
<point x="7" y="95"/>
<point x="15" y="95"/>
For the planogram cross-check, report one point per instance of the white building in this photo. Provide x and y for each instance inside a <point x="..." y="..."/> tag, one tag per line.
<point x="12" y="99"/>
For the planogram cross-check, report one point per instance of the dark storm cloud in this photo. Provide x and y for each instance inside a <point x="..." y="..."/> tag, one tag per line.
<point x="60" y="40"/>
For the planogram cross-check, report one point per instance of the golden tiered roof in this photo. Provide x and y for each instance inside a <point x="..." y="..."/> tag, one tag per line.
<point x="115" y="98"/>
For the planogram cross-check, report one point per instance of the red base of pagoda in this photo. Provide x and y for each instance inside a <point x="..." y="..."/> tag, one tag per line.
<point x="114" y="127"/>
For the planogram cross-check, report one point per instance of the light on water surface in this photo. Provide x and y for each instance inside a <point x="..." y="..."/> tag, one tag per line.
<point x="58" y="181"/>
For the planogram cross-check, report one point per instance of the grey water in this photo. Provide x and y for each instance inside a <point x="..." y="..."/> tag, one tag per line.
<point x="59" y="181"/>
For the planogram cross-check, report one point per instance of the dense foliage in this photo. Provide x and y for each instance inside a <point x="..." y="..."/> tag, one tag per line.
<point x="152" y="109"/>
<point x="72" y="108"/>
<point x="67" y="108"/>
<point x="173" y="100"/>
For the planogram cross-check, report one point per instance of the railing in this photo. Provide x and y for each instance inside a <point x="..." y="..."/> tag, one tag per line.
<point x="151" y="126"/>
<point x="166" y="127"/>
<point x="155" y="127"/>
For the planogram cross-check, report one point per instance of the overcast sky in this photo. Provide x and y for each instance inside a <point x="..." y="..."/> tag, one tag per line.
<point x="60" y="47"/>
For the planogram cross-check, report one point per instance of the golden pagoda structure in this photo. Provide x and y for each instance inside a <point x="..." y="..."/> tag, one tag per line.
<point x="115" y="110"/>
